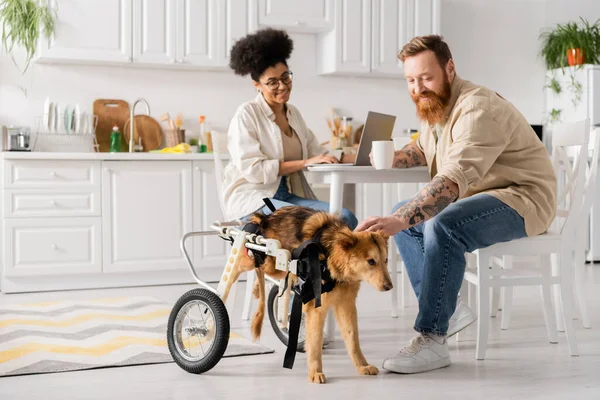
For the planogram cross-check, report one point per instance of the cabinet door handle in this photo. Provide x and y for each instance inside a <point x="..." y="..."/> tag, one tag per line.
<point x="53" y="174"/>
<point x="54" y="247"/>
<point x="52" y="203"/>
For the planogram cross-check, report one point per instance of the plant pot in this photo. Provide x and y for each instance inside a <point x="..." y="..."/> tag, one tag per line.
<point x="575" y="57"/>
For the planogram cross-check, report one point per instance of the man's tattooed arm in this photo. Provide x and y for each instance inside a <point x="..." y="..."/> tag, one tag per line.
<point x="429" y="202"/>
<point x="409" y="156"/>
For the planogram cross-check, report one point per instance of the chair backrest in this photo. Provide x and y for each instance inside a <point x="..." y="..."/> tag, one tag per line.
<point x="570" y="143"/>
<point x="220" y="156"/>
<point x="589" y="191"/>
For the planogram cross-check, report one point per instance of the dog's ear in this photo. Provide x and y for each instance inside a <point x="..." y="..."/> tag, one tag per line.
<point x="346" y="240"/>
<point x="382" y="235"/>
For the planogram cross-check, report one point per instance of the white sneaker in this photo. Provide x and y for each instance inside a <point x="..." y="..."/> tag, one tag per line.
<point x="424" y="353"/>
<point x="463" y="316"/>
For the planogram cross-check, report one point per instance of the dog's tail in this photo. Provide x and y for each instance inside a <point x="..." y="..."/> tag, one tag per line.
<point x="259" y="315"/>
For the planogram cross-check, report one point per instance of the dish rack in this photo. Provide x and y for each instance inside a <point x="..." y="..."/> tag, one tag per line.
<point x="64" y="139"/>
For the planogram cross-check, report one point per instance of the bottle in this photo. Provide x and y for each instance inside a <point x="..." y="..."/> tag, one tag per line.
<point x="138" y="148"/>
<point x="115" y="140"/>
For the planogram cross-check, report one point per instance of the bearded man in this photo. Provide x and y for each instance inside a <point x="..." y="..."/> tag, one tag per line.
<point x="492" y="181"/>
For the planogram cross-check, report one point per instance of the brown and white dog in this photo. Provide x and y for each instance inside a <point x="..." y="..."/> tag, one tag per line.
<point x="352" y="257"/>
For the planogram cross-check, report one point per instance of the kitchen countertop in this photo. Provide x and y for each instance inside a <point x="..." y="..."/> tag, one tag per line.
<point x="18" y="155"/>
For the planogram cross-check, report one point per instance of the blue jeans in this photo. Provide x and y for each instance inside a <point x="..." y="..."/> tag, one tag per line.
<point x="284" y="198"/>
<point x="434" y="252"/>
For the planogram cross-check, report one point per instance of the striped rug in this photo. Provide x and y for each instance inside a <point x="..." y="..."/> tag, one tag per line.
<point x="75" y="335"/>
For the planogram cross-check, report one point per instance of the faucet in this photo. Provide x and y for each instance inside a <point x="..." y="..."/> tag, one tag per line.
<point x="132" y="119"/>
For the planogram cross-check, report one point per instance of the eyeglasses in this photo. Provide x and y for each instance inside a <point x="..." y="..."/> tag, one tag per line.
<point x="273" y="83"/>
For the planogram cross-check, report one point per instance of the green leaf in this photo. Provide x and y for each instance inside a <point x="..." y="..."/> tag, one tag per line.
<point x="22" y="23"/>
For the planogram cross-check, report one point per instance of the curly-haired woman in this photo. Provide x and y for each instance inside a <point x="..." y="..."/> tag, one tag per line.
<point x="268" y="139"/>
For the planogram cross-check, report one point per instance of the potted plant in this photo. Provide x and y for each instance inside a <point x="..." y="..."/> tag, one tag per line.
<point x="22" y="23"/>
<point x="569" y="45"/>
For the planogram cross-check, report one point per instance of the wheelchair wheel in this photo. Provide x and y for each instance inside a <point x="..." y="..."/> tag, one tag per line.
<point x="198" y="331"/>
<point x="282" y="332"/>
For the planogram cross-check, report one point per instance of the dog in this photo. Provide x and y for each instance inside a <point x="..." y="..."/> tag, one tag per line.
<point x="352" y="257"/>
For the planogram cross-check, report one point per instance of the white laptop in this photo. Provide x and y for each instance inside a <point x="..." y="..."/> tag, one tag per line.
<point x="377" y="127"/>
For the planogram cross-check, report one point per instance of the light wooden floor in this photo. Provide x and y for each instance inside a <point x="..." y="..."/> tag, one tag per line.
<point x="520" y="362"/>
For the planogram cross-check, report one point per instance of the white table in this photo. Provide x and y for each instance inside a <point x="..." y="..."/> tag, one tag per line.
<point x="337" y="175"/>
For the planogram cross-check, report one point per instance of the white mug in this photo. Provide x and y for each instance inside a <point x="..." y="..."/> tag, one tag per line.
<point x="383" y="154"/>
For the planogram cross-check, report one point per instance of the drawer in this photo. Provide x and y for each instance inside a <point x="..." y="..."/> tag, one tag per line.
<point x="39" y="203"/>
<point x="52" y="246"/>
<point x="47" y="173"/>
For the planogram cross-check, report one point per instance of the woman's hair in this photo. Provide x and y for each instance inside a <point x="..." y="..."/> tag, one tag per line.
<point x="256" y="52"/>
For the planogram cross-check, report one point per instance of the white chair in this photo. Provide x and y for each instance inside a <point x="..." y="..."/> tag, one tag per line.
<point x="579" y="256"/>
<point x="555" y="248"/>
<point x="220" y="155"/>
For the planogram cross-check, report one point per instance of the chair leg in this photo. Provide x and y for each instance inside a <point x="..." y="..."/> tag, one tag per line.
<point x="580" y="285"/>
<point x="554" y="258"/>
<point x="507" y="297"/>
<point x="546" y="290"/>
<point x="566" y="295"/>
<point x="483" y="304"/>
<point x="464" y="297"/>
<point x="248" y="295"/>
<point x="393" y="263"/>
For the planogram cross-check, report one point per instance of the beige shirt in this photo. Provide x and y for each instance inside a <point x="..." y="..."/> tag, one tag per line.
<point x="292" y="148"/>
<point x="486" y="145"/>
<point x="255" y="144"/>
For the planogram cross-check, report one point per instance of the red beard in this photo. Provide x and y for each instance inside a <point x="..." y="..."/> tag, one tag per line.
<point x="431" y="105"/>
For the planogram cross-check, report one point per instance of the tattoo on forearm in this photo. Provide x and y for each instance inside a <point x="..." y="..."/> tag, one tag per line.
<point x="430" y="201"/>
<point x="408" y="157"/>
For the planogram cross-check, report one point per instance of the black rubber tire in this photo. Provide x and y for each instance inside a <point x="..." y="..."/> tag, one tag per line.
<point x="283" y="336"/>
<point x="221" y="339"/>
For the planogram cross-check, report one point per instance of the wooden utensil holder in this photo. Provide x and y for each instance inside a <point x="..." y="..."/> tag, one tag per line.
<point x="174" y="136"/>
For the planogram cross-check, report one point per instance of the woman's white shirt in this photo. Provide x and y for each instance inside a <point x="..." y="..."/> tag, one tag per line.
<point x="255" y="146"/>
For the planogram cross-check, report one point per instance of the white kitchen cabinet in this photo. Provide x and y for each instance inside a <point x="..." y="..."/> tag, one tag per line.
<point x="307" y="16"/>
<point x="154" y="31"/>
<point x="346" y="49"/>
<point x="147" y="208"/>
<point x="90" y="31"/>
<point x="368" y="34"/>
<point x="209" y="251"/>
<point x="51" y="246"/>
<point x="166" y="33"/>
<point x="201" y="32"/>
<point x="391" y="31"/>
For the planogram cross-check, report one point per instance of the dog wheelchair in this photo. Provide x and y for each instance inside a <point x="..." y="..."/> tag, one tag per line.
<point x="199" y="326"/>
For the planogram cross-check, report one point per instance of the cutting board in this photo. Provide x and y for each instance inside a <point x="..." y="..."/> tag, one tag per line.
<point x="110" y="112"/>
<point x="149" y="129"/>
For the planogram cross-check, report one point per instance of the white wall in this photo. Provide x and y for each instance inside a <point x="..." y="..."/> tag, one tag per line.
<point x="494" y="43"/>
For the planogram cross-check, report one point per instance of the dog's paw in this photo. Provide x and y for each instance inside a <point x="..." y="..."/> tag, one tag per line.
<point x="316" y="377"/>
<point x="368" y="370"/>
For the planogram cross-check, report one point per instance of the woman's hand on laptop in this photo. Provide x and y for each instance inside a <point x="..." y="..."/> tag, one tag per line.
<point x="322" y="159"/>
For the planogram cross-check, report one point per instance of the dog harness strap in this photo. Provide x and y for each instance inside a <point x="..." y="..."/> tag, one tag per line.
<point x="269" y="204"/>
<point x="295" y="320"/>
<point x="259" y="257"/>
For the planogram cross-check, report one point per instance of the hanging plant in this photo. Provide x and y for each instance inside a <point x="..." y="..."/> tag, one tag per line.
<point x="22" y="23"/>
<point x="571" y="44"/>
<point x="554" y="85"/>
<point x="554" y="116"/>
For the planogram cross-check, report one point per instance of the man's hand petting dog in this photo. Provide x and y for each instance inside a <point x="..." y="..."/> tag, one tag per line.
<point x="389" y="225"/>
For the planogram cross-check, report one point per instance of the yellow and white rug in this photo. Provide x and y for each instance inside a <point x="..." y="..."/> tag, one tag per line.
<point x="75" y="335"/>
